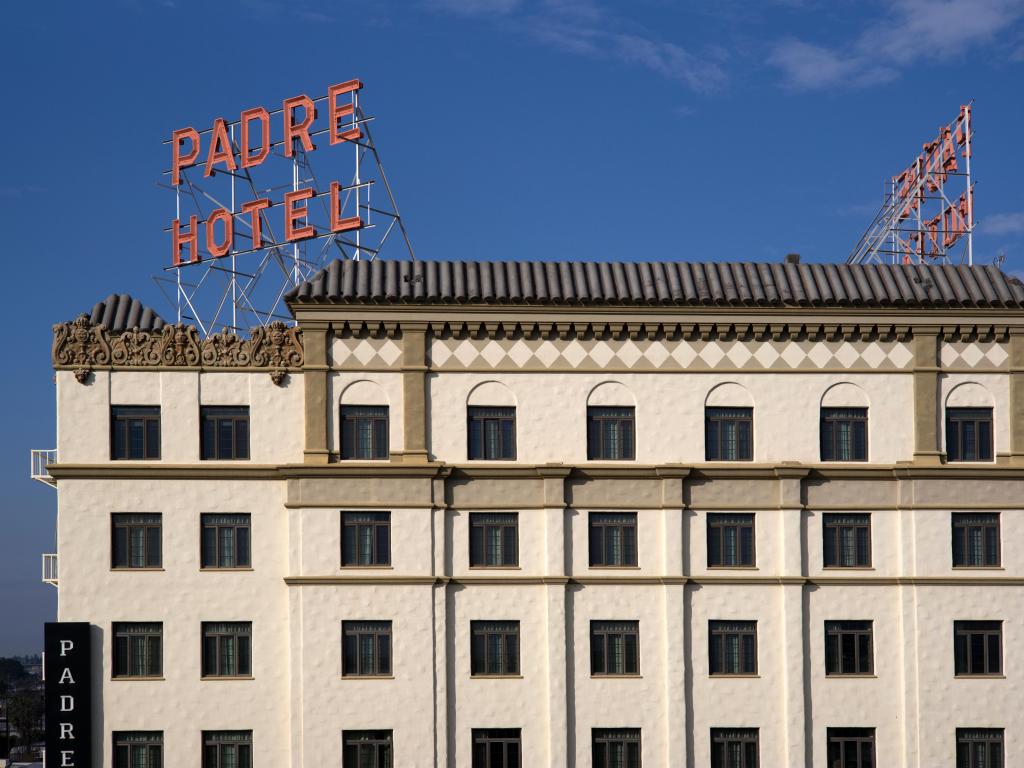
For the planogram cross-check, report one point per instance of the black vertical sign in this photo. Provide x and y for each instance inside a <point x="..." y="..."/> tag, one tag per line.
<point x="68" y="672"/>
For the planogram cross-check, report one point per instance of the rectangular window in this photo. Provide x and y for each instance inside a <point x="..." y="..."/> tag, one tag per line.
<point x="613" y="540"/>
<point x="366" y="648"/>
<point x="728" y="434"/>
<point x="847" y="540"/>
<point x="225" y="432"/>
<point x="135" y="432"/>
<point x="227" y="649"/>
<point x="492" y="433"/>
<point x="733" y="647"/>
<point x="364" y="432"/>
<point x="138" y="749"/>
<point x="135" y="540"/>
<point x="730" y="540"/>
<point x="615" y="648"/>
<point x="497" y="748"/>
<point x="611" y="433"/>
<point x="978" y="647"/>
<point x="848" y="648"/>
<point x="851" y="747"/>
<point x="365" y="539"/>
<point x="227" y="749"/>
<point x="969" y="434"/>
<point x="493" y="539"/>
<point x="616" y="747"/>
<point x="226" y="541"/>
<point x="734" y="748"/>
<point x="844" y="434"/>
<point x="366" y="749"/>
<point x="138" y="649"/>
<point x="494" y="648"/>
<point x="979" y="748"/>
<point x="975" y="539"/>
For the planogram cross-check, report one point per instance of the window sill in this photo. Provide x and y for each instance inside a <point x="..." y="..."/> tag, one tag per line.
<point x="614" y="567"/>
<point x="616" y="677"/>
<point x="367" y="568"/>
<point x="227" y="677"/>
<point x="979" y="677"/>
<point x="850" y="677"/>
<point x="848" y="568"/>
<point x="733" y="568"/>
<point x="135" y="570"/>
<point x="211" y="569"/>
<point x="366" y="677"/>
<point x="126" y="679"/>
<point x="726" y="676"/>
<point x="232" y="461"/>
<point x="979" y="568"/>
<point x="495" y="568"/>
<point x="495" y="677"/>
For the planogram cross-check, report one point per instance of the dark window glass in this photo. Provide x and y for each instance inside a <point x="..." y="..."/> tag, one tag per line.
<point x="844" y="434"/>
<point x="728" y="434"/>
<point x="851" y="747"/>
<point x="979" y="748"/>
<point x="494" y="647"/>
<point x="847" y="540"/>
<point x="493" y="539"/>
<point x="138" y="749"/>
<point x="730" y="540"/>
<point x="138" y="649"/>
<point x="978" y="647"/>
<point x="227" y="749"/>
<point x="611" y="433"/>
<point x="135" y="540"/>
<point x="969" y="434"/>
<point x="365" y="538"/>
<point x="848" y="648"/>
<point x="975" y="539"/>
<point x="492" y="433"/>
<point x="613" y="539"/>
<point x="366" y="648"/>
<point x="616" y="747"/>
<point x="364" y="432"/>
<point x="497" y="748"/>
<point x="227" y="649"/>
<point x="366" y="749"/>
<point x="733" y="748"/>
<point x="733" y="647"/>
<point x="135" y="432"/>
<point x="226" y="541"/>
<point x="224" y="432"/>
<point x="614" y="647"/>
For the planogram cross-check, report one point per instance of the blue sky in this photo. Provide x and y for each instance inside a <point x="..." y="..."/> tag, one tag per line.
<point x="553" y="129"/>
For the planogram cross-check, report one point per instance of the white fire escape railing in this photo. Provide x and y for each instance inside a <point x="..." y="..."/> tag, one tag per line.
<point x="41" y="457"/>
<point x="50" y="569"/>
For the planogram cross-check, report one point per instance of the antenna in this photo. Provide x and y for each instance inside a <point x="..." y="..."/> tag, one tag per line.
<point x="252" y="222"/>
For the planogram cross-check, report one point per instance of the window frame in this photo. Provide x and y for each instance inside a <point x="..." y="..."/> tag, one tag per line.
<point x="220" y="740"/>
<point x="210" y="521"/>
<point x="719" y="630"/>
<point x="989" y="738"/>
<point x="218" y="415"/>
<point x="484" y="415"/>
<point x="723" y="738"/>
<point x="121" y="415"/>
<point x="833" y="524"/>
<point x="350" y="526"/>
<point x="962" y="526"/>
<point x="502" y="738"/>
<point x="347" y="415"/>
<point x="715" y="417"/>
<point x="603" y="522"/>
<point x="722" y="521"/>
<point x="123" y="742"/>
<point x="485" y="522"/>
<point x="959" y="416"/>
<point x="377" y="629"/>
<point x="486" y="629"/>
<point x="129" y="521"/>
<point x="835" y="632"/>
<point x="602" y="633"/>
<point x="597" y="416"/>
<point x="829" y="439"/>
<point x="152" y="644"/>
<point x="376" y="740"/>
<point x="838" y="737"/>
<point x="625" y="737"/>
<point x="241" y="633"/>
<point x="964" y="632"/>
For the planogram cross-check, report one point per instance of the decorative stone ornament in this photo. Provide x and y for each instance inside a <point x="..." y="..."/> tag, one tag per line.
<point x="83" y="347"/>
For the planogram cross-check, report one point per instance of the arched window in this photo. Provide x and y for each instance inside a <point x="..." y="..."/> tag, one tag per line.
<point x="843" y="425"/>
<point x="728" y="424"/>
<point x="611" y="423"/>
<point x="491" y="422"/>
<point x="364" y="421"/>
<point x="969" y="423"/>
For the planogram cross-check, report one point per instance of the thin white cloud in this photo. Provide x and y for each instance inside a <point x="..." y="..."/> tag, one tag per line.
<point x="910" y="31"/>
<point x="1003" y="224"/>
<point x="475" y="7"/>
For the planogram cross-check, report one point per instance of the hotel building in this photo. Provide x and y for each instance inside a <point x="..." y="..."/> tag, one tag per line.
<point x="554" y="514"/>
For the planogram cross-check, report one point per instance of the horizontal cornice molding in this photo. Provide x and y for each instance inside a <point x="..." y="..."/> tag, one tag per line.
<point x="641" y="580"/>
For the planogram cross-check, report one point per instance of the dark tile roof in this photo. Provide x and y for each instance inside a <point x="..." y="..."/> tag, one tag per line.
<point x="669" y="283"/>
<point x="121" y="313"/>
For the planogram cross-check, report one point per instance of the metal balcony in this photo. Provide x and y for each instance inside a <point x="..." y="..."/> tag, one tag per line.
<point x="41" y="457"/>
<point x="50" y="569"/>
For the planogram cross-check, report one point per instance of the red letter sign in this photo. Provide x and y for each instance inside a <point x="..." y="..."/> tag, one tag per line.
<point x="293" y="214"/>
<point x="178" y="160"/>
<point x="293" y="130"/>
